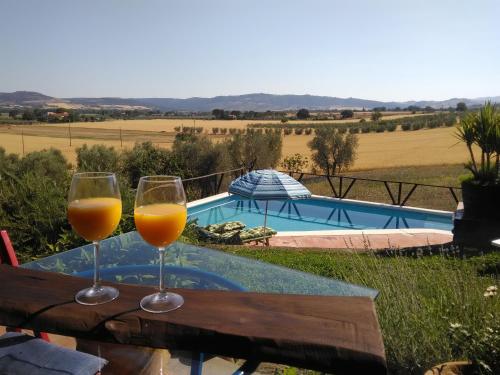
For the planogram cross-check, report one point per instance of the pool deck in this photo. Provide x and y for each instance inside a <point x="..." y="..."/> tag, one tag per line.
<point x="364" y="241"/>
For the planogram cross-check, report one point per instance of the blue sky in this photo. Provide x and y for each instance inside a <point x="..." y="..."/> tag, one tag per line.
<point x="385" y="49"/>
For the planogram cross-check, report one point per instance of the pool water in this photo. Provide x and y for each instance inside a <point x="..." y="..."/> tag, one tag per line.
<point x="315" y="214"/>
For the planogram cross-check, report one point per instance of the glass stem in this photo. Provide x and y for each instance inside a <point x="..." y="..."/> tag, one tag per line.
<point x="162" y="281"/>
<point x="97" y="278"/>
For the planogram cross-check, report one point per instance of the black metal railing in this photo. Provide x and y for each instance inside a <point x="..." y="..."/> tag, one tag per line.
<point x="341" y="186"/>
<point x="210" y="184"/>
<point x="399" y="194"/>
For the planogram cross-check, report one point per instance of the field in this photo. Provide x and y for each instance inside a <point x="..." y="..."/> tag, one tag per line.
<point x="389" y="149"/>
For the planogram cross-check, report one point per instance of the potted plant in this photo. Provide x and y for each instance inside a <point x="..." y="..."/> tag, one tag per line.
<point x="480" y="131"/>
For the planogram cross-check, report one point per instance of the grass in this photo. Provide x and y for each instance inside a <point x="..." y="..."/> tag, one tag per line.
<point x="419" y="297"/>
<point x="427" y="197"/>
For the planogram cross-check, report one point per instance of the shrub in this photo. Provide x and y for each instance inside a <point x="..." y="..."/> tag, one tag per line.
<point x="353" y="130"/>
<point x="295" y="163"/>
<point x="97" y="158"/>
<point x="223" y="130"/>
<point x="298" y="131"/>
<point x="232" y="131"/>
<point x="199" y="129"/>
<point x="303" y="113"/>
<point x="341" y="130"/>
<point x="144" y="160"/>
<point x="406" y="126"/>
<point x="347" y="113"/>
<point x="391" y="127"/>
<point x="380" y="129"/>
<point x="287" y="131"/>
<point x="177" y="129"/>
<point x="33" y="201"/>
<point x="376" y="115"/>
<point x="308" y="131"/>
<point x="215" y="130"/>
<point x="366" y="129"/>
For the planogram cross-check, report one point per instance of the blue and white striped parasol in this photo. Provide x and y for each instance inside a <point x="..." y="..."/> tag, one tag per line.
<point x="268" y="184"/>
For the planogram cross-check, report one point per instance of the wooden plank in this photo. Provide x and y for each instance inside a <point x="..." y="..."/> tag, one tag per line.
<point x="332" y="334"/>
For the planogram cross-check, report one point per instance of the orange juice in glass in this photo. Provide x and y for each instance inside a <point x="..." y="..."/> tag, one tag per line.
<point x="160" y="224"/>
<point x="94" y="211"/>
<point x="95" y="218"/>
<point x="160" y="216"/>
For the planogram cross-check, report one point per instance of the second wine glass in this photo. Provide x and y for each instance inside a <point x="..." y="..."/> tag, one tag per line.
<point x="160" y="216"/>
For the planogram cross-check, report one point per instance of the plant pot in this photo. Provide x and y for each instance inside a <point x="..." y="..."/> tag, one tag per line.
<point x="451" y="368"/>
<point x="481" y="201"/>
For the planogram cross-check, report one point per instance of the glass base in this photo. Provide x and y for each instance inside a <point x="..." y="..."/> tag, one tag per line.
<point x="96" y="295"/>
<point x="161" y="302"/>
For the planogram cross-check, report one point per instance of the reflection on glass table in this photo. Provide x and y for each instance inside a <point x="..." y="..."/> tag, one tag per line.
<point x="127" y="258"/>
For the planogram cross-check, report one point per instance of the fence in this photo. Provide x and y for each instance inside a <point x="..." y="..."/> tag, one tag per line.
<point x="210" y="184"/>
<point x="398" y="193"/>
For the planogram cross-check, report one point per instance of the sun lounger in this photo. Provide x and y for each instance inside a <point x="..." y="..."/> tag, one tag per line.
<point x="230" y="226"/>
<point x="257" y="234"/>
<point x="233" y="233"/>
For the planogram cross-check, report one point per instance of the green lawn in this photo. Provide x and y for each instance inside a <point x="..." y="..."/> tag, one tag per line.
<point x="445" y="175"/>
<point x="419" y="297"/>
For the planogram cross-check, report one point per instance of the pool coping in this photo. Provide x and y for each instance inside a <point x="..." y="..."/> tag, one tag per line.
<point x="343" y="232"/>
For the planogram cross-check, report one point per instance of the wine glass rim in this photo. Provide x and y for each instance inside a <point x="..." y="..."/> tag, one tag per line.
<point x="93" y="174"/>
<point x="161" y="178"/>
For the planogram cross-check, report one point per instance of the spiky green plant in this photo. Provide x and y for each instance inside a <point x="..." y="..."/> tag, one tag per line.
<point x="482" y="129"/>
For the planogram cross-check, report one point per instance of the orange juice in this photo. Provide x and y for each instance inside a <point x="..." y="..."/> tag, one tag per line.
<point x="94" y="218"/>
<point x="160" y="224"/>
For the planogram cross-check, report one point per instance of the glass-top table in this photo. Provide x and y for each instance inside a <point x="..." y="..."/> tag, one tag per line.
<point x="128" y="259"/>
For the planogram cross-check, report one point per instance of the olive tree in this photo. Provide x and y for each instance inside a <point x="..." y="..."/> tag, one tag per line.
<point x="333" y="152"/>
<point x="254" y="150"/>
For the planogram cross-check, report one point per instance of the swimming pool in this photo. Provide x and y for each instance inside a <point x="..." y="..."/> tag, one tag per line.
<point x="316" y="214"/>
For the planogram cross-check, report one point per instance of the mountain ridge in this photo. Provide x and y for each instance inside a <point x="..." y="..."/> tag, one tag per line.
<point x="245" y="102"/>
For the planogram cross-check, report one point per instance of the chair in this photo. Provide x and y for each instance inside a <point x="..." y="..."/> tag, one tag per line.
<point x="8" y="256"/>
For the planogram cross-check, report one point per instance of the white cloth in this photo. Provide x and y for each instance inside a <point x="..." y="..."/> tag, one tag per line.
<point x="21" y="354"/>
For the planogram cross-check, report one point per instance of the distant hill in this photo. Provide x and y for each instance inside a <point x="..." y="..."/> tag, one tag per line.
<point x="23" y="98"/>
<point x="249" y="102"/>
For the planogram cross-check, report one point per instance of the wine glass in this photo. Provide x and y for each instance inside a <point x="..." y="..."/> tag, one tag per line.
<point x="94" y="211"/>
<point x="160" y="216"/>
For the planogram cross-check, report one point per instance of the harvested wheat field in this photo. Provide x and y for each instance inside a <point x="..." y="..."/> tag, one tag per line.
<point x="399" y="148"/>
<point x="12" y="143"/>
<point x="168" y="125"/>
